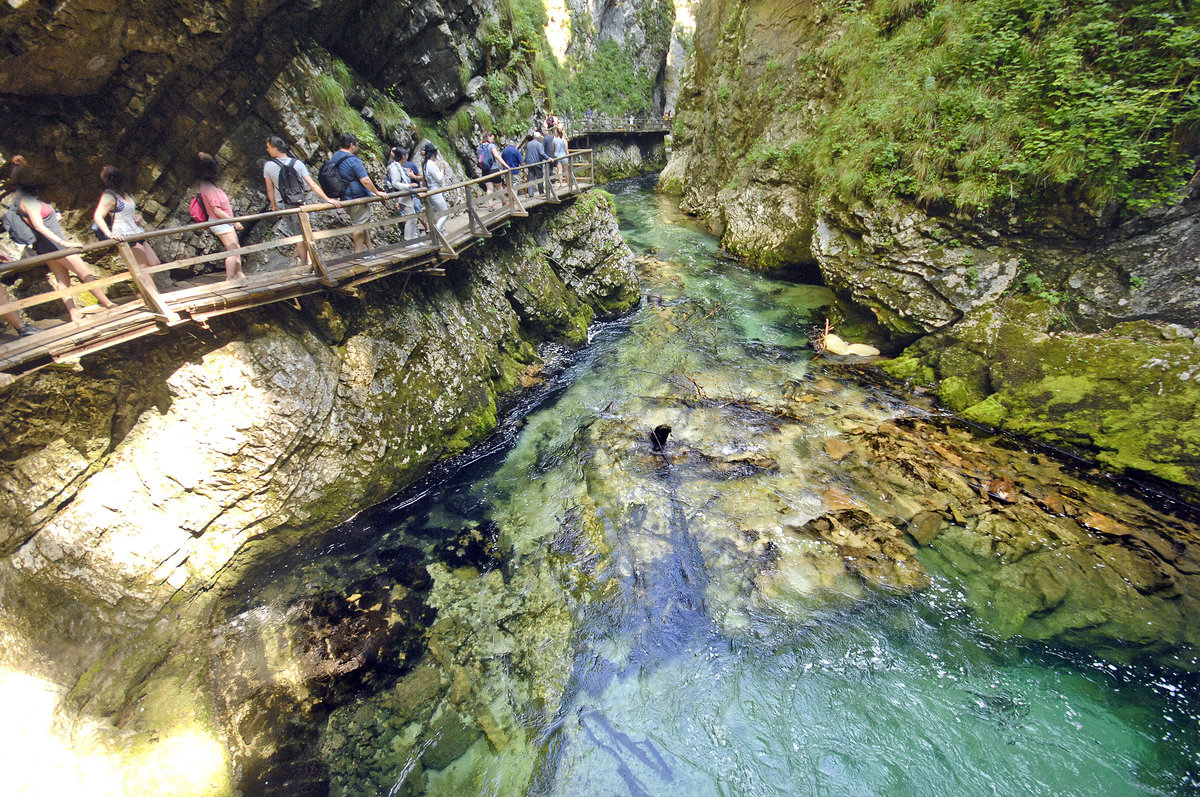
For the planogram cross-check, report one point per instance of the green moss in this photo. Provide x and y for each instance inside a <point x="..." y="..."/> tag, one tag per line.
<point x="475" y="424"/>
<point x="328" y="92"/>
<point x="908" y="367"/>
<point x="461" y="124"/>
<point x="1127" y="397"/>
<point x="985" y="103"/>
<point x="956" y="393"/>
<point x="990" y="411"/>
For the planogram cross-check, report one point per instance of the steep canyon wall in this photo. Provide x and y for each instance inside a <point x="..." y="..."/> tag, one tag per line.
<point x="922" y="157"/>
<point x="138" y="489"/>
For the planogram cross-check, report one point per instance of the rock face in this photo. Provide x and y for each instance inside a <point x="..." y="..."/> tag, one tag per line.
<point x="1127" y="397"/>
<point x="761" y="88"/>
<point x="642" y="31"/>
<point x="625" y="156"/>
<point x="133" y="489"/>
<point x="161" y="82"/>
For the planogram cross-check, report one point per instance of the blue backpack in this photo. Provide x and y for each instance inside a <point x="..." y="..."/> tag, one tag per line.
<point x="486" y="160"/>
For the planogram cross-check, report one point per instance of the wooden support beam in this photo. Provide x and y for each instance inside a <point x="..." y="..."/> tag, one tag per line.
<point x="474" y="223"/>
<point x="444" y="246"/>
<point x="314" y="256"/>
<point x="515" y="206"/>
<point x="144" y="283"/>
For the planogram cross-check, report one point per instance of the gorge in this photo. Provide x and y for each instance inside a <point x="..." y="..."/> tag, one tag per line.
<point x="417" y="538"/>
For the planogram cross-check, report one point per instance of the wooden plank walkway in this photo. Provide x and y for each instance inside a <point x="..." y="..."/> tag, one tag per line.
<point x="196" y="299"/>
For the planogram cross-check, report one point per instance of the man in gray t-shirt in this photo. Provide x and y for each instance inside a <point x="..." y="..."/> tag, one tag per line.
<point x="277" y="154"/>
<point x="535" y="153"/>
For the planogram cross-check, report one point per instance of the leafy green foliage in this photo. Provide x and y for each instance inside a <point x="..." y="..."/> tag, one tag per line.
<point x="328" y="91"/>
<point x="982" y="103"/>
<point x="610" y="84"/>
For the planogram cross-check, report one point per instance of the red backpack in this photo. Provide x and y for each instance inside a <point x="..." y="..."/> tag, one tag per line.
<point x="197" y="209"/>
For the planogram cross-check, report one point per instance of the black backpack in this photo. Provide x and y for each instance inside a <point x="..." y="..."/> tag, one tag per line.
<point x="17" y="227"/>
<point x="330" y="177"/>
<point x="291" y="187"/>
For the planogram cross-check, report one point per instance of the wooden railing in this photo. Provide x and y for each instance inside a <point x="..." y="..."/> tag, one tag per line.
<point x="153" y="306"/>
<point x="616" y="124"/>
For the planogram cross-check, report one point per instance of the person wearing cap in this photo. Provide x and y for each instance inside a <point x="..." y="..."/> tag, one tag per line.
<point x="535" y="153"/>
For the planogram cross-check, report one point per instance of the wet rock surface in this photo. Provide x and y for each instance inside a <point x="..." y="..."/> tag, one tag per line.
<point x="1127" y="398"/>
<point x="136" y="491"/>
<point x="279" y="672"/>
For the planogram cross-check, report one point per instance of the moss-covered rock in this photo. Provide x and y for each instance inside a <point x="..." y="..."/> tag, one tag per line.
<point x="1128" y="397"/>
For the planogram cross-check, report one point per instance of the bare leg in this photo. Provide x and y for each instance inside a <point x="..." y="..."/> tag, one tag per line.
<point x="233" y="263"/>
<point x="60" y="278"/>
<point x="80" y="269"/>
<point x="146" y="255"/>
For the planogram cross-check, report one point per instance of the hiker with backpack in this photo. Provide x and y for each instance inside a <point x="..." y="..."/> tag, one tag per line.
<point x="490" y="162"/>
<point x="116" y="216"/>
<point x="41" y="220"/>
<point x="399" y="180"/>
<point x="513" y="158"/>
<point x="345" y="176"/>
<point x="286" y="179"/>
<point x="211" y="202"/>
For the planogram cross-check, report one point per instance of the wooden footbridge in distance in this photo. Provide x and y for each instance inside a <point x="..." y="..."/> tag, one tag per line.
<point x="470" y="217"/>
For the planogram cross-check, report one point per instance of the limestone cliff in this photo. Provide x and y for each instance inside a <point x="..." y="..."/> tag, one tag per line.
<point x="136" y="489"/>
<point x="906" y="150"/>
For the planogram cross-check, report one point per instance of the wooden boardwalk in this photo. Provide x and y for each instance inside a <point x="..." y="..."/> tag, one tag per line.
<point x="154" y="309"/>
<point x="616" y="125"/>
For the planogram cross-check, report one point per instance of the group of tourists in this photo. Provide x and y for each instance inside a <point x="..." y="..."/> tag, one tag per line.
<point x="343" y="180"/>
<point x="538" y="149"/>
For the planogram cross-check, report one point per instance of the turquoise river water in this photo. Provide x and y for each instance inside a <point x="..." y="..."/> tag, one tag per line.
<point x="641" y="622"/>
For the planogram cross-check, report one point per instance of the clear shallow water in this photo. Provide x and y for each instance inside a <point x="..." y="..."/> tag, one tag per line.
<point x="660" y="656"/>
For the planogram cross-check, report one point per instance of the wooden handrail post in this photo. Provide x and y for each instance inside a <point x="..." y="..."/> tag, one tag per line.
<point x="549" y="176"/>
<point x="592" y="166"/>
<point x="572" y="183"/>
<point x="515" y="207"/>
<point x="310" y="243"/>
<point x="473" y="219"/>
<point x="144" y="283"/>
<point x="430" y="218"/>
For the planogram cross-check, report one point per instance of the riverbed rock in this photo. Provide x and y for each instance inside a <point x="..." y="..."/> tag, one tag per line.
<point x="130" y="486"/>
<point x="1048" y="559"/>
<point x="1125" y="397"/>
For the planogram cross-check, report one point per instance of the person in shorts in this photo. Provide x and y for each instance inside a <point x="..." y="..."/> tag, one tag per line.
<point x="217" y="206"/>
<point x="358" y="186"/>
<point x="277" y="157"/>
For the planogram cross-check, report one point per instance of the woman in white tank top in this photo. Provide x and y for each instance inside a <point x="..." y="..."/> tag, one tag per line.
<point x="125" y="220"/>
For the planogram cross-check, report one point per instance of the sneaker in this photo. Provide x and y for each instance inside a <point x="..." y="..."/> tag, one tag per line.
<point x="27" y="329"/>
